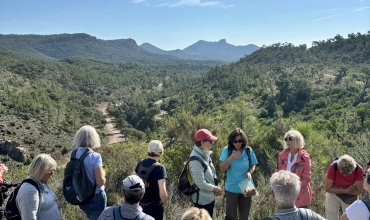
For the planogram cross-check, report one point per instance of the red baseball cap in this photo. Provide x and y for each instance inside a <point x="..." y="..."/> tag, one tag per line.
<point x="204" y="134"/>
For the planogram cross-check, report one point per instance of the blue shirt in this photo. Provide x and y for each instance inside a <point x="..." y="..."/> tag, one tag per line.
<point x="91" y="162"/>
<point x="237" y="169"/>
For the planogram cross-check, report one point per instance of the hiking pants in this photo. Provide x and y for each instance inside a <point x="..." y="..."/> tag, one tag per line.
<point x="209" y="207"/>
<point x="154" y="209"/>
<point x="95" y="206"/>
<point x="332" y="205"/>
<point x="237" y="202"/>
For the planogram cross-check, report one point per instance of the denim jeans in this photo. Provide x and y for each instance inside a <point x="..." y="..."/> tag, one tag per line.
<point x="96" y="206"/>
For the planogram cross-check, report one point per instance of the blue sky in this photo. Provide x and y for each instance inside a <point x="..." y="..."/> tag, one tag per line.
<point x="176" y="24"/>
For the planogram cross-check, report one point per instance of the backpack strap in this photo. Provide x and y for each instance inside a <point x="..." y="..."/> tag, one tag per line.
<point x="367" y="203"/>
<point x="303" y="213"/>
<point x="147" y="170"/>
<point x="271" y="218"/>
<point x="33" y="183"/>
<point x="205" y="167"/>
<point x="116" y="213"/>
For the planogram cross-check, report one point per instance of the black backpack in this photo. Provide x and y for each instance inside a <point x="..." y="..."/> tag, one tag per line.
<point x="144" y="172"/>
<point x="186" y="184"/>
<point x="367" y="203"/>
<point x="77" y="188"/>
<point x="117" y="215"/>
<point x="11" y="211"/>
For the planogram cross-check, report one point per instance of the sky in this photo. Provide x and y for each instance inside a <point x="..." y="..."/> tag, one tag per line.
<point x="177" y="24"/>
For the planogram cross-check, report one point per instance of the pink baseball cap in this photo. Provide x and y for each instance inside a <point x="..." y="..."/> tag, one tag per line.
<point x="204" y="134"/>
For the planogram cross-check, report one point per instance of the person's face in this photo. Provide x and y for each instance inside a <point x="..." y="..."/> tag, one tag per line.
<point x="48" y="175"/>
<point x="206" y="145"/>
<point x="289" y="141"/>
<point x="238" y="142"/>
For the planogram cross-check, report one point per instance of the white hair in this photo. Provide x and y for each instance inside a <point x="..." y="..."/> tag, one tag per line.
<point x="298" y="140"/>
<point x="86" y="137"/>
<point x="286" y="186"/>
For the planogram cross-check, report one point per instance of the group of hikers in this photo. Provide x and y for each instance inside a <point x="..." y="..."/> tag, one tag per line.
<point x="145" y="194"/>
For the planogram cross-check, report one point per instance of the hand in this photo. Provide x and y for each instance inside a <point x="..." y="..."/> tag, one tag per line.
<point x="7" y="183"/>
<point x="235" y="156"/>
<point x="351" y="188"/>
<point x="217" y="190"/>
<point x="248" y="175"/>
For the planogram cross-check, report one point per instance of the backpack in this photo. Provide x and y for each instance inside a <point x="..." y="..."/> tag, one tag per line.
<point x="367" y="203"/>
<point x="185" y="183"/>
<point x="11" y="210"/>
<point x="77" y="188"/>
<point x="117" y="215"/>
<point x="229" y="152"/>
<point x="144" y="172"/>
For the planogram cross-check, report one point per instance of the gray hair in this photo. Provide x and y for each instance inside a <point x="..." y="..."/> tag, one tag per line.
<point x="41" y="165"/>
<point x="346" y="164"/>
<point x="298" y="140"/>
<point x="286" y="186"/>
<point x="86" y="137"/>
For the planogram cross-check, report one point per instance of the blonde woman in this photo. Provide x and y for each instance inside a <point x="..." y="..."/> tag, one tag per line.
<point x="87" y="139"/>
<point x="31" y="204"/>
<point x="196" y="214"/>
<point x="296" y="160"/>
<point x="344" y="181"/>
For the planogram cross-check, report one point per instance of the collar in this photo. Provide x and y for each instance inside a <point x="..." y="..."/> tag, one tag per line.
<point x="285" y="211"/>
<point x="205" y="155"/>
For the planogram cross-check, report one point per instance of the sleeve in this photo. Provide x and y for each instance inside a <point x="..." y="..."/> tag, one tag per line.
<point x="278" y="166"/>
<point x="28" y="202"/>
<point x="224" y="156"/>
<point x="330" y="173"/>
<point x="137" y="168"/>
<point x="161" y="172"/>
<point x="253" y="157"/>
<point x="359" y="173"/>
<point x="196" y="171"/>
<point x="306" y="174"/>
<point x="98" y="160"/>
<point x="357" y="210"/>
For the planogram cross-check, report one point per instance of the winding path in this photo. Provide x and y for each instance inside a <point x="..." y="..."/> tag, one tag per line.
<point x="113" y="134"/>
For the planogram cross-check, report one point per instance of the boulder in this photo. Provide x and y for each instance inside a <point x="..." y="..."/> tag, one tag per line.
<point x="14" y="150"/>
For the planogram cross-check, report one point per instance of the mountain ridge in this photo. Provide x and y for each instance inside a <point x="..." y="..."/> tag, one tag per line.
<point x="203" y="50"/>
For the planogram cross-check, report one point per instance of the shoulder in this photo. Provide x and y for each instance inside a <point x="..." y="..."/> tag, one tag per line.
<point x="107" y="214"/>
<point x="304" y="154"/>
<point x="148" y="217"/>
<point x="360" y="169"/>
<point x="225" y="148"/>
<point x="284" y="152"/>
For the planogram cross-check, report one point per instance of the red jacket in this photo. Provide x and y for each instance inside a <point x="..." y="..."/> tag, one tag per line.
<point x="302" y="167"/>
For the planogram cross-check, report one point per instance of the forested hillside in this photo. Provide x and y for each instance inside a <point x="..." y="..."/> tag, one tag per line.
<point x="322" y="91"/>
<point x="60" y="46"/>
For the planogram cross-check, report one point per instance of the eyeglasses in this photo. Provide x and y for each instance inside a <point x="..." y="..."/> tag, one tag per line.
<point x="238" y="141"/>
<point x="289" y="138"/>
<point x="52" y="172"/>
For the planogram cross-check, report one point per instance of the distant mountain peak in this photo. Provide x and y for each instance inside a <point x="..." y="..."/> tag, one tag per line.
<point x="222" y="41"/>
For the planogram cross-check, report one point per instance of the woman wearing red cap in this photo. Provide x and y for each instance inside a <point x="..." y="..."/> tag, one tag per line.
<point x="206" y="180"/>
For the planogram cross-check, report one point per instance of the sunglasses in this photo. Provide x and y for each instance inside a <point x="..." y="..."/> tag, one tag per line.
<point x="52" y="172"/>
<point x="290" y="139"/>
<point x="209" y="141"/>
<point x="238" y="141"/>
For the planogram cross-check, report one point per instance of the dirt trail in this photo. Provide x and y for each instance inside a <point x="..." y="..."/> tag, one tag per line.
<point x="113" y="134"/>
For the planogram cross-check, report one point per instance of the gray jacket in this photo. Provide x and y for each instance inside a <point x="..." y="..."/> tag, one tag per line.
<point x="29" y="200"/>
<point x="297" y="214"/>
<point x="204" y="181"/>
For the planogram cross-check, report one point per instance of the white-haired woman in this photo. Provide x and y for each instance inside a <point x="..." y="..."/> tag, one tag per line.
<point x="31" y="204"/>
<point x="87" y="139"/>
<point x="296" y="160"/>
<point x="358" y="209"/>
<point x="343" y="185"/>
